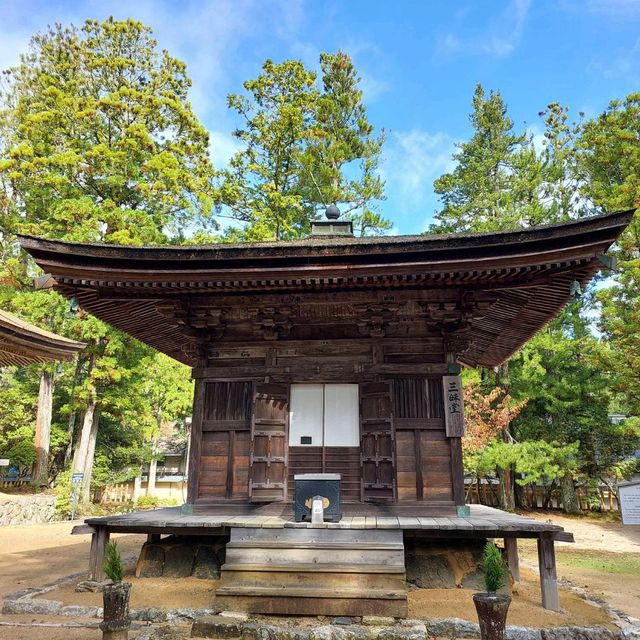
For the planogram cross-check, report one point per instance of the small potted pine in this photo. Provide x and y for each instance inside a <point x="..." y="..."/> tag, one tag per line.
<point x="491" y="606"/>
<point x="115" y="597"/>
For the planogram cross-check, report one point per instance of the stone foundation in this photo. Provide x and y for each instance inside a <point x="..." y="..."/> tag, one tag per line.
<point x="26" y="508"/>
<point x="181" y="557"/>
<point x="444" y="564"/>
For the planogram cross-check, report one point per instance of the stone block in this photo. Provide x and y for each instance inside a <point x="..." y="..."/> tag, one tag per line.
<point x="350" y="632"/>
<point x="342" y="620"/>
<point x="577" y="633"/>
<point x="522" y="633"/>
<point x="149" y="614"/>
<point x="238" y="616"/>
<point x="321" y="633"/>
<point x="78" y="611"/>
<point x="28" y="605"/>
<point x="216" y="627"/>
<point x="430" y="571"/>
<point x="178" y="561"/>
<point x="151" y="561"/>
<point x="417" y="632"/>
<point x="378" y="621"/>
<point x="452" y="628"/>
<point x="206" y="565"/>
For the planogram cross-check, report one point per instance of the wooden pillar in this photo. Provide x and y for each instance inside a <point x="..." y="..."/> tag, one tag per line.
<point x="195" y="442"/>
<point x="511" y="547"/>
<point x="457" y="471"/>
<point x="99" y="540"/>
<point x="548" y="578"/>
<point x="454" y="419"/>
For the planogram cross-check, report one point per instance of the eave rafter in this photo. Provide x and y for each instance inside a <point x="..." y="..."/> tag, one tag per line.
<point x="180" y="298"/>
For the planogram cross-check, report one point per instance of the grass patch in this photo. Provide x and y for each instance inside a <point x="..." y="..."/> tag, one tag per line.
<point x="600" y="561"/>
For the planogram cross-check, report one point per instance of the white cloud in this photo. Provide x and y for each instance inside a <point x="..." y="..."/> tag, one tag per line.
<point x="223" y="147"/>
<point x="499" y="37"/>
<point x="537" y="136"/>
<point x="412" y="161"/>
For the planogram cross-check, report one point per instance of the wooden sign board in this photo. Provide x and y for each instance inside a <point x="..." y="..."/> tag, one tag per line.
<point x="453" y="406"/>
<point x="4" y="462"/>
<point x="630" y="502"/>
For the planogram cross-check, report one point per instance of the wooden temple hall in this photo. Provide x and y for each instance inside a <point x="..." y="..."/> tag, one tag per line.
<point x="337" y="358"/>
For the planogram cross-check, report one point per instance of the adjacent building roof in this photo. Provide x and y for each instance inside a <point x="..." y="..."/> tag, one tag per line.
<point x="22" y="343"/>
<point x="527" y="274"/>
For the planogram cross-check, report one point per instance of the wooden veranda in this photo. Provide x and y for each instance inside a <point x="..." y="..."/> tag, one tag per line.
<point x="482" y="522"/>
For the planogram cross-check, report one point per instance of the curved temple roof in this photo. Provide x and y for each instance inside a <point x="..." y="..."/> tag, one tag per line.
<point x="22" y="343"/>
<point x="528" y="275"/>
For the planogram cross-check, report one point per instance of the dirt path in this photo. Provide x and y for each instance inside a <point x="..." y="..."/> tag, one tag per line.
<point x="605" y="558"/>
<point x="34" y="555"/>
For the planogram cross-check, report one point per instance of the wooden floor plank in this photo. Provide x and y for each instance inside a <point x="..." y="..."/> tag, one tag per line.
<point x="409" y="516"/>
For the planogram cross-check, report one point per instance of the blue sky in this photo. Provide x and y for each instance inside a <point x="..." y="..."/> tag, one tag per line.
<point x="419" y="62"/>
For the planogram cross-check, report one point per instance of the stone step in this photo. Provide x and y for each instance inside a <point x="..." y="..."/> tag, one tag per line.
<point x="316" y="572"/>
<point x="312" y="592"/>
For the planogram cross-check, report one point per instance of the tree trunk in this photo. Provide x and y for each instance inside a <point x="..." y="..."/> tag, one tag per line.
<point x="40" y="475"/>
<point x="570" y="502"/>
<point x="91" y="449"/>
<point x="137" y="486"/>
<point x="151" y="478"/>
<point x="507" y="501"/>
<point x="71" y="429"/>
<point x="73" y="416"/>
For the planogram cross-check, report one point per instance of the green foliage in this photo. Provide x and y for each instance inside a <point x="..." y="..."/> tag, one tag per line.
<point x="113" y="568"/>
<point x="63" y="492"/>
<point x="609" y="156"/>
<point x="97" y="142"/>
<point x="339" y="136"/>
<point x="494" y="568"/>
<point x="302" y="146"/>
<point x="495" y="183"/>
<point x="100" y="142"/>
<point x="145" y="503"/>
<point x="22" y="455"/>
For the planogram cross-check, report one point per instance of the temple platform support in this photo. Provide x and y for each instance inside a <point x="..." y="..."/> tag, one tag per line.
<point x="548" y="577"/>
<point x="511" y="547"/>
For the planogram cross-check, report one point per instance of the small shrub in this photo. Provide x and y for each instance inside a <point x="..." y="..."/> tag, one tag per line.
<point x="63" y="490"/>
<point x="144" y="503"/>
<point x="113" y="562"/>
<point x="494" y="567"/>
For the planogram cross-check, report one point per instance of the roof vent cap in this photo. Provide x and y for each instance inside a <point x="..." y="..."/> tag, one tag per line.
<point x="332" y="212"/>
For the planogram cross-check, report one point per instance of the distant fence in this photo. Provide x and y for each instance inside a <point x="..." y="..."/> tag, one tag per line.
<point x="124" y="492"/>
<point x="13" y="483"/>
<point x="542" y="497"/>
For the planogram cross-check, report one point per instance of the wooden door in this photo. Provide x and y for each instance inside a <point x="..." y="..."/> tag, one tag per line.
<point x="377" y="451"/>
<point x="269" y="443"/>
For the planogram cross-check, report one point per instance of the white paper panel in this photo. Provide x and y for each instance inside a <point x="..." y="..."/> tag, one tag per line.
<point x="341" y="420"/>
<point x="305" y="418"/>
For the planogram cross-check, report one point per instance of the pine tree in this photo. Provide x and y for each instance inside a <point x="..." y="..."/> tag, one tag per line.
<point x="341" y="136"/>
<point x="494" y="185"/>
<point x="304" y="147"/>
